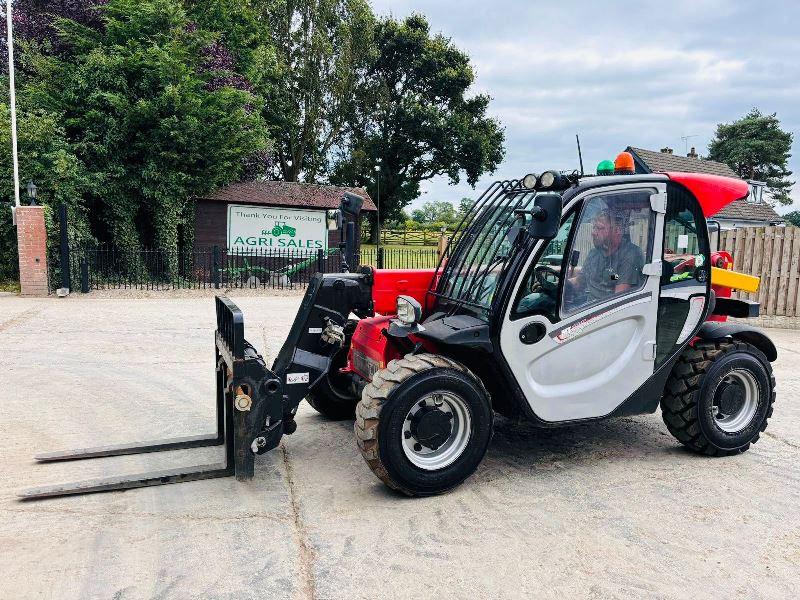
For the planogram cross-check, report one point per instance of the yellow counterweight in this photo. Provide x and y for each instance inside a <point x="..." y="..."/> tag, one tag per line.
<point x="734" y="280"/>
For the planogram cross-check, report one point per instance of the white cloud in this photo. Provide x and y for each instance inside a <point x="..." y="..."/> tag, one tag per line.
<point x="641" y="74"/>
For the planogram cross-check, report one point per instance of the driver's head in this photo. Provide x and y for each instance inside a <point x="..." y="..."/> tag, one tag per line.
<point x="606" y="231"/>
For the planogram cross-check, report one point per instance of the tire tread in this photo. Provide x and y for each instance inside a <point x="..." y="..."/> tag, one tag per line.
<point x="679" y="402"/>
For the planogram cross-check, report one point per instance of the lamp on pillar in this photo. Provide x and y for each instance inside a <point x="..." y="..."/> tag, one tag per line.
<point x="32" y="192"/>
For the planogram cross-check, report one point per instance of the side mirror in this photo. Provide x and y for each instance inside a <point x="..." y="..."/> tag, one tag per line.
<point x="334" y="218"/>
<point x="351" y="204"/>
<point x="546" y="217"/>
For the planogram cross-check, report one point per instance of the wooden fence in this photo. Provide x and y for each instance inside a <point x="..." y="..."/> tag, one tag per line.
<point x="773" y="254"/>
<point x="408" y="237"/>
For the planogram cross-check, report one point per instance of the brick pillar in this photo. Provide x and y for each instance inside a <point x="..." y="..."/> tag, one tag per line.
<point x="32" y="248"/>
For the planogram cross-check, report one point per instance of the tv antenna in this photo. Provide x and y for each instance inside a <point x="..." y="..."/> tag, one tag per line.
<point x="686" y="139"/>
<point x="580" y="156"/>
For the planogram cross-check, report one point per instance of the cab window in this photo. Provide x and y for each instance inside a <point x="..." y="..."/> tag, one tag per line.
<point x="539" y="290"/>
<point x="610" y="246"/>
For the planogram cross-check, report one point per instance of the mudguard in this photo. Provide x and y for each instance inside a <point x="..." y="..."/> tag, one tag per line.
<point x="711" y="330"/>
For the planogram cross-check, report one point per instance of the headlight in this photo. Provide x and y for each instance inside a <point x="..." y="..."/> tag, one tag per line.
<point x="529" y="181"/>
<point x="547" y="179"/>
<point x="409" y="311"/>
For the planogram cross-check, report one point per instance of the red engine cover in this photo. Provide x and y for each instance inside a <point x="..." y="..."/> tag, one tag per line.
<point x="391" y="283"/>
<point x="371" y="349"/>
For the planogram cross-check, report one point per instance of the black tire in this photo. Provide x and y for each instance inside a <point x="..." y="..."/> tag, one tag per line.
<point x="687" y="405"/>
<point x="332" y="400"/>
<point x="381" y="420"/>
<point x="334" y="397"/>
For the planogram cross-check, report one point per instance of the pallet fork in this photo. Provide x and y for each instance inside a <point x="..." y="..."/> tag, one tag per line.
<point x="249" y="421"/>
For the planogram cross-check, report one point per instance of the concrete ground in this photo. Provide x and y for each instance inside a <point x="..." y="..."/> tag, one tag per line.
<point x="616" y="509"/>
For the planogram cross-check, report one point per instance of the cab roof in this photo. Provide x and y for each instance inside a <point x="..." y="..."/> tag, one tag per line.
<point x="713" y="192"/>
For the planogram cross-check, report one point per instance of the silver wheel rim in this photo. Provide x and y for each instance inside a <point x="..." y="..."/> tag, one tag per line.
<point x="460" y="433"/>
<point x="736" y="420"/>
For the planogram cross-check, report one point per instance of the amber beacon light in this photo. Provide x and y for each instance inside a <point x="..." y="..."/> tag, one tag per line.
<point x="623" y="164"/>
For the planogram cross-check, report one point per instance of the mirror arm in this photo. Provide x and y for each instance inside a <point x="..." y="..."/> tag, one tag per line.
<point x="537" y="212"/>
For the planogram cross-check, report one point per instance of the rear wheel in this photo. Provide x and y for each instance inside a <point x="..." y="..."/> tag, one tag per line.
<point x="423" y="424"/>
<point x="719" y="397"/>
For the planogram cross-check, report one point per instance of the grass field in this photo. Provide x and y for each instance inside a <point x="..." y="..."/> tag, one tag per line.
<point x="397" y="256"/>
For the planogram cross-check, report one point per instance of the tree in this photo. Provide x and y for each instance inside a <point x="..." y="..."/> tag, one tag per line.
<point x="432" y="212"/>
<point x="317" y="58"/>
<point x="417" y="119"/>
<point x="793" y="218"/>
<point x="46" y="158"/>
<point x="757" y="148"/>
<point x="140" y="108"/>
<point x="464" y="205"/>
<point x="34" y="23"/>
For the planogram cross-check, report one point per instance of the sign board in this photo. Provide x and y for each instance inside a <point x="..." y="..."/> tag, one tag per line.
<point x="275" y="228"/>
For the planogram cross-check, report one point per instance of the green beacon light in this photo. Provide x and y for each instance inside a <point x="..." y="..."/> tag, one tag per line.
<point x="606" y="167"/>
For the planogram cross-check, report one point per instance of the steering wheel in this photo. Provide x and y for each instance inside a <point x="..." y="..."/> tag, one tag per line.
<point x="547" y="278"/>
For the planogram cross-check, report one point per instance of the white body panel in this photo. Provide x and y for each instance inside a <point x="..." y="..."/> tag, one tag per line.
<point x="588" y="363"/>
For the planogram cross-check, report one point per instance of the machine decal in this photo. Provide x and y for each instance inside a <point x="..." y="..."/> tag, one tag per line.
<point x="571" y="331"/>
<point x="365" y="365"/>
<point x="296" y="378"/>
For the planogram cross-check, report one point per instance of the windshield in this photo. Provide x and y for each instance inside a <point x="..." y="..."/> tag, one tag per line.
<point x="484" y="244"/>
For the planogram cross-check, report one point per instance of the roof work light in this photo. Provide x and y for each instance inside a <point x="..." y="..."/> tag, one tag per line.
<point x="605" y="167"/>
<point x="623" y="164"/>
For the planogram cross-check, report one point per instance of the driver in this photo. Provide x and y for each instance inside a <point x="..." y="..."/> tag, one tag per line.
<point x="613" y="266"/>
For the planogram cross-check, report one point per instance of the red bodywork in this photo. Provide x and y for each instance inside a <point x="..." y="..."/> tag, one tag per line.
<point x="391" y="283"/>
<point x="712" y="191"/>
<point x="371" y="349"/>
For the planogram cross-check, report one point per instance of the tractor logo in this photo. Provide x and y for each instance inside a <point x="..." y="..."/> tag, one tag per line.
<point x="281" y="228"/>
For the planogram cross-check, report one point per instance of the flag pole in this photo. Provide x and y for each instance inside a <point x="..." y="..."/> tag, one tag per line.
<point x="13" y="102"/>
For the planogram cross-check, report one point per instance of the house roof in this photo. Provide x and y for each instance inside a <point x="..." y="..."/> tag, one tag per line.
<point x="740" y="210"/>
<point x="661" y="162"/>
<point x="287" y="193"/>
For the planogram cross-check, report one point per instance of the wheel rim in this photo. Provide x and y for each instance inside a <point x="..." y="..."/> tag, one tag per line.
<point x="735" y="401"/>
<point x="436" y="430"/>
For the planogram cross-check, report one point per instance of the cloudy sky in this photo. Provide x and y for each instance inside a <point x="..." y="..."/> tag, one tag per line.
<point x="619" y="73"/>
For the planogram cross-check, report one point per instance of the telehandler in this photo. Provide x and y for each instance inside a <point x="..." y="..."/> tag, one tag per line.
<point x="562" y="299"/>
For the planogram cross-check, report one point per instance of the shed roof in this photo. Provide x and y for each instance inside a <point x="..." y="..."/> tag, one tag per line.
<point x="287" y="193"/>
<point x="742" y="210"/>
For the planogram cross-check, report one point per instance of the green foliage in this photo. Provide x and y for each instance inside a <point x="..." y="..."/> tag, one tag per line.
<point x="416" y="119"/>
<point x="140" y="115"/>
<point x="322" y="49"/>
<point x="128" y="115"/>
<point x="46" y="158"/>
<point x="793" y="217"/>
<point x="431" y="212"/>
<point x="757" y="148"/>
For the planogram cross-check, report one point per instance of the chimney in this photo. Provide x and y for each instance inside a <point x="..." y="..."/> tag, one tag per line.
<point x="692" y="153"/>
<point x="668" y="150"/>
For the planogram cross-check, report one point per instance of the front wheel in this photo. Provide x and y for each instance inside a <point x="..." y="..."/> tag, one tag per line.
<point x="423" y="424"/>
<point x="719" y="397"/>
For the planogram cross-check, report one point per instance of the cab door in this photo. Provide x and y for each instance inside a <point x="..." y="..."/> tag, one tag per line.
<point x="580" y="332"/>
